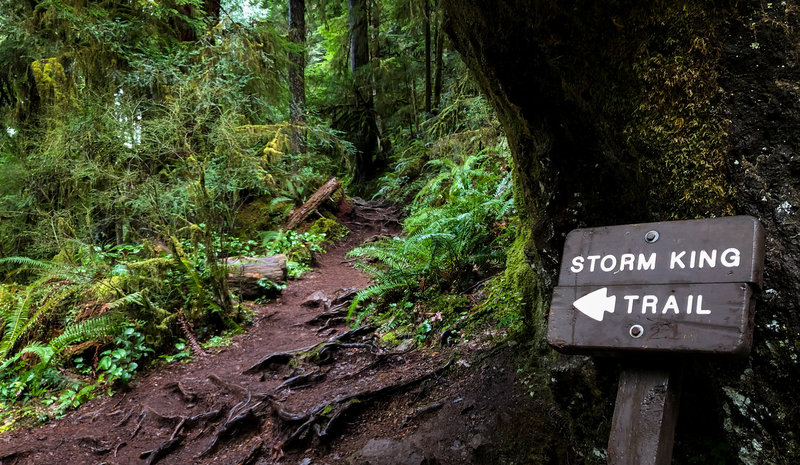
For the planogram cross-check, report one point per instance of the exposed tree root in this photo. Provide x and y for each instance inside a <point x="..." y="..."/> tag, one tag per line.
<point x="326" y="417"/>
<point x="95" y="445"/>
<point x="319" y="354"/>
<point x="222" y="383"/>
<point x="276" y="358"/>
<point x="385" y="358"/>
<point x="186" y="394"/>
<point x="252" y="455"/>
<point x="347" y="295"/>
<point x="124" y="420"/>
<point x="244" y="420"/>
<point x="153" y="456"/>
<point x="180" y="423"/>
<point x="331" y="323"/>
<point x="322" y="421"/>
<point x="335" y="312"/>
<point x="20" y="454"/>
<point x="302" y="380"/>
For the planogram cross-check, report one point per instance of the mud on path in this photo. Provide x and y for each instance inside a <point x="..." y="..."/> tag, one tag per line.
<point x="298" y="387"/>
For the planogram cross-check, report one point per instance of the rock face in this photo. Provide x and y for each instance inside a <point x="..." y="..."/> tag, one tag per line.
<point x="647" y="111"/>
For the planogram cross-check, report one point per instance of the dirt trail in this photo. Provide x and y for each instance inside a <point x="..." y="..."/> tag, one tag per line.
<point x="288" y="389"/>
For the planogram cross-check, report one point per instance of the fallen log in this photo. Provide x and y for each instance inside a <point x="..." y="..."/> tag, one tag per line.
<point x="312" y="203"/>
<point x="246" y="275"/>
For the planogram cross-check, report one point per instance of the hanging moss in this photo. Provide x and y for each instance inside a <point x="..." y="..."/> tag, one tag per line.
<point x="51" y="81"/>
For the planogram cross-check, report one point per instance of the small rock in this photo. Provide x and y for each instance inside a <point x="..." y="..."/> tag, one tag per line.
<point x="305" y="461"/>
<point x="315" y="300"/>
<point x="406" y="345"/>
<point x="387" y="452"/>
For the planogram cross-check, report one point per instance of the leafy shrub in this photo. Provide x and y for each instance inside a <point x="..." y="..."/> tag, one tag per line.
<point x="298" y="248"/>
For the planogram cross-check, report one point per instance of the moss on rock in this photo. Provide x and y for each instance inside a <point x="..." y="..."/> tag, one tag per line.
<point x="332" y="229"/>
<point x="255" y="216"/>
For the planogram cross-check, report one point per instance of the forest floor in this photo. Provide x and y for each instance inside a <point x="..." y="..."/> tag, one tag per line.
<point x="300" y="387"/>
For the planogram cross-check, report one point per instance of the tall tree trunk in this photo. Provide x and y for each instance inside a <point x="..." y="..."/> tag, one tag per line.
<point x="297" y="80"/>
<point x="384" y="145"/>
<point x="427" y="56"/>
<point x="366" y="133"/>
<point x="438" y="53"/>
<point x="209" y="13"/>
<point x="212" y="9"/>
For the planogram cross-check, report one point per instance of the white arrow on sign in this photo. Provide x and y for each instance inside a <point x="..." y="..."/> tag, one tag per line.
<point x="596" y="303"/>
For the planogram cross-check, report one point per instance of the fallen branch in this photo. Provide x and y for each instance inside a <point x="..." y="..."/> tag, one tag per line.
<point x="190" y="336"/>
<point x="312" y="203"/>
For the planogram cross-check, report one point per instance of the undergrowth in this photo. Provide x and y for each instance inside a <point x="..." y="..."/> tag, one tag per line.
<point x="82" y="324"/>
<point x="455" y="238"/>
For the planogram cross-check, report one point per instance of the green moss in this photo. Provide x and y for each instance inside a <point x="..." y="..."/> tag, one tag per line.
<point x="390" y="339"/>
<point x="51" y="81"/>
<point x="525" y="285"/>
<point x="332" y="229"/>
<point x="255" y="216"/>
<point x="674" y="126"/>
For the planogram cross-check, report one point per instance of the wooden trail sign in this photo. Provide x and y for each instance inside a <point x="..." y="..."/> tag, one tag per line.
<point x="681" y="286"/>
<point x="674" y="287"/>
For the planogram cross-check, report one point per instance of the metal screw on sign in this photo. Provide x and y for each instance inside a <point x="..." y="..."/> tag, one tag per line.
<point x="651" y="236"/>
<point x="636" y="331"/>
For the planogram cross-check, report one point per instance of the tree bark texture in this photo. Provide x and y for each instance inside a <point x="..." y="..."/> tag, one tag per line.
<point x="428" y="83"/>
<point x="439" y="62"/>
<point x="297" y="69"/>
<point x="366" y="142"/>
<point x="631" y="112"/>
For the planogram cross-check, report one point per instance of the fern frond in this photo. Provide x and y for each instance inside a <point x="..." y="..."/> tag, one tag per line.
<point x="44" y="353"/>
<point x="29" y="263"/>
<point x="135" y="298"/>
<point x="22" y="321"/>
<point x="371" y="291"/>
<point x="86" y="330"/>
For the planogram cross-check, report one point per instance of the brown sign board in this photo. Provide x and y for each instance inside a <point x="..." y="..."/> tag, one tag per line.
<point x="680" y="286"/>
<point x="710" y="318"/>
<point x="716" y="250"/>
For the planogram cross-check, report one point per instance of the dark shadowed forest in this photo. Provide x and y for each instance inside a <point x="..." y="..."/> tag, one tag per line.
<point x="320" y="232"/>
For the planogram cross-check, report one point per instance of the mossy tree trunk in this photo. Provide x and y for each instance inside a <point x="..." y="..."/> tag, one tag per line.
<point x="297" y="70"/>
<point x="642" y="111"/>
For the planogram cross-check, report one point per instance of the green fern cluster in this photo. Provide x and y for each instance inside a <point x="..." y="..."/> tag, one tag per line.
<point x="31" y="343"/>
<point x="456" y="233"/>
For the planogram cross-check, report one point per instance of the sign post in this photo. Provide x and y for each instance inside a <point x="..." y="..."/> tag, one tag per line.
<point x="669" y="288"/>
